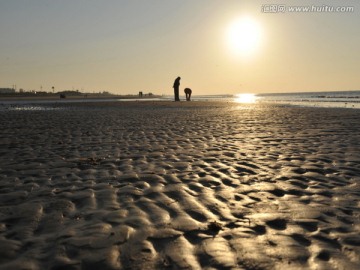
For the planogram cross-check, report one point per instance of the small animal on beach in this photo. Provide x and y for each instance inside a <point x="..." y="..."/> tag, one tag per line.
<point x="188" y="92"/>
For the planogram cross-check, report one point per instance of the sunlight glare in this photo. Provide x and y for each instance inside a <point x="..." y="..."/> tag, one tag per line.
<point x="245" y="98"/>
<point x="244" y="36"/>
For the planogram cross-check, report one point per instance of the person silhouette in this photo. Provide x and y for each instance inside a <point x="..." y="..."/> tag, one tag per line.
<point x="188" y="93"/>
<point x="176" y="88"/>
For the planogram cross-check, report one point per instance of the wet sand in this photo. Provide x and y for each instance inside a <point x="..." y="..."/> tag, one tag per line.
<point x="190" y="185"/>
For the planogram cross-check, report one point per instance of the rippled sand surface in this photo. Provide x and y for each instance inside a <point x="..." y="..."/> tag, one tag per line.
<point x="164" y="185"/>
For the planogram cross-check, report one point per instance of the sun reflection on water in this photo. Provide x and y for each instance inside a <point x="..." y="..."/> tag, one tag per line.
<point x="245" y="98"/>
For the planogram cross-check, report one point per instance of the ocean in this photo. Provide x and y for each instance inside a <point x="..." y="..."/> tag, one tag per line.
<point x="338" y="99"/>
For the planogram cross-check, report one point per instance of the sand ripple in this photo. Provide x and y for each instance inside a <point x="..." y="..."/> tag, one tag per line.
<point x="179" y="186"/>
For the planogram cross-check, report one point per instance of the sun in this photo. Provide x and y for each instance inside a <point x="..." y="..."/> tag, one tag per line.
<point x="244" y="36"/>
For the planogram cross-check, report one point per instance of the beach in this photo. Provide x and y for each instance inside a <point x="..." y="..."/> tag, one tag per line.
<point x="179" y="185"/>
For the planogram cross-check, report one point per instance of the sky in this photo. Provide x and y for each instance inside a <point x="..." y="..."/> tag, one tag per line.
<point x="127" y="46"/>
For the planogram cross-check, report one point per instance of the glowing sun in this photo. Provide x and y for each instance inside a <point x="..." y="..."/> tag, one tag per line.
<point x="244" y="36"/>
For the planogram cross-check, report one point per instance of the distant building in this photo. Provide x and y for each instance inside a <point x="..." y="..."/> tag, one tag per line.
<point x="7" y="91"/>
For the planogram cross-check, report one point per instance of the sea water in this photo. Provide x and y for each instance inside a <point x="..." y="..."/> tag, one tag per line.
<point x="338" y="99"/>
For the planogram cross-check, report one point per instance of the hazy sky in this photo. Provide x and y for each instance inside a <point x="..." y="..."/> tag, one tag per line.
<point x="127" y="46"/>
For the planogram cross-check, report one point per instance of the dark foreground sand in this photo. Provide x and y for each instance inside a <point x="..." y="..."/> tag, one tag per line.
<point x="179" y="186"/>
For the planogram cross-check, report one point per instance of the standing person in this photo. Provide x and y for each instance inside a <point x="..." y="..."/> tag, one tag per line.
<point x="176" y="88"/>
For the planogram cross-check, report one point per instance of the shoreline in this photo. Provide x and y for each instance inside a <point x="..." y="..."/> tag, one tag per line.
<point x="326" y="103"/>
<point x="72" y="97"/>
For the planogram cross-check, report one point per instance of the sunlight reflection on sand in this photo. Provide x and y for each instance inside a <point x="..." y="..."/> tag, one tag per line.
<point x="246" y="98"/>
